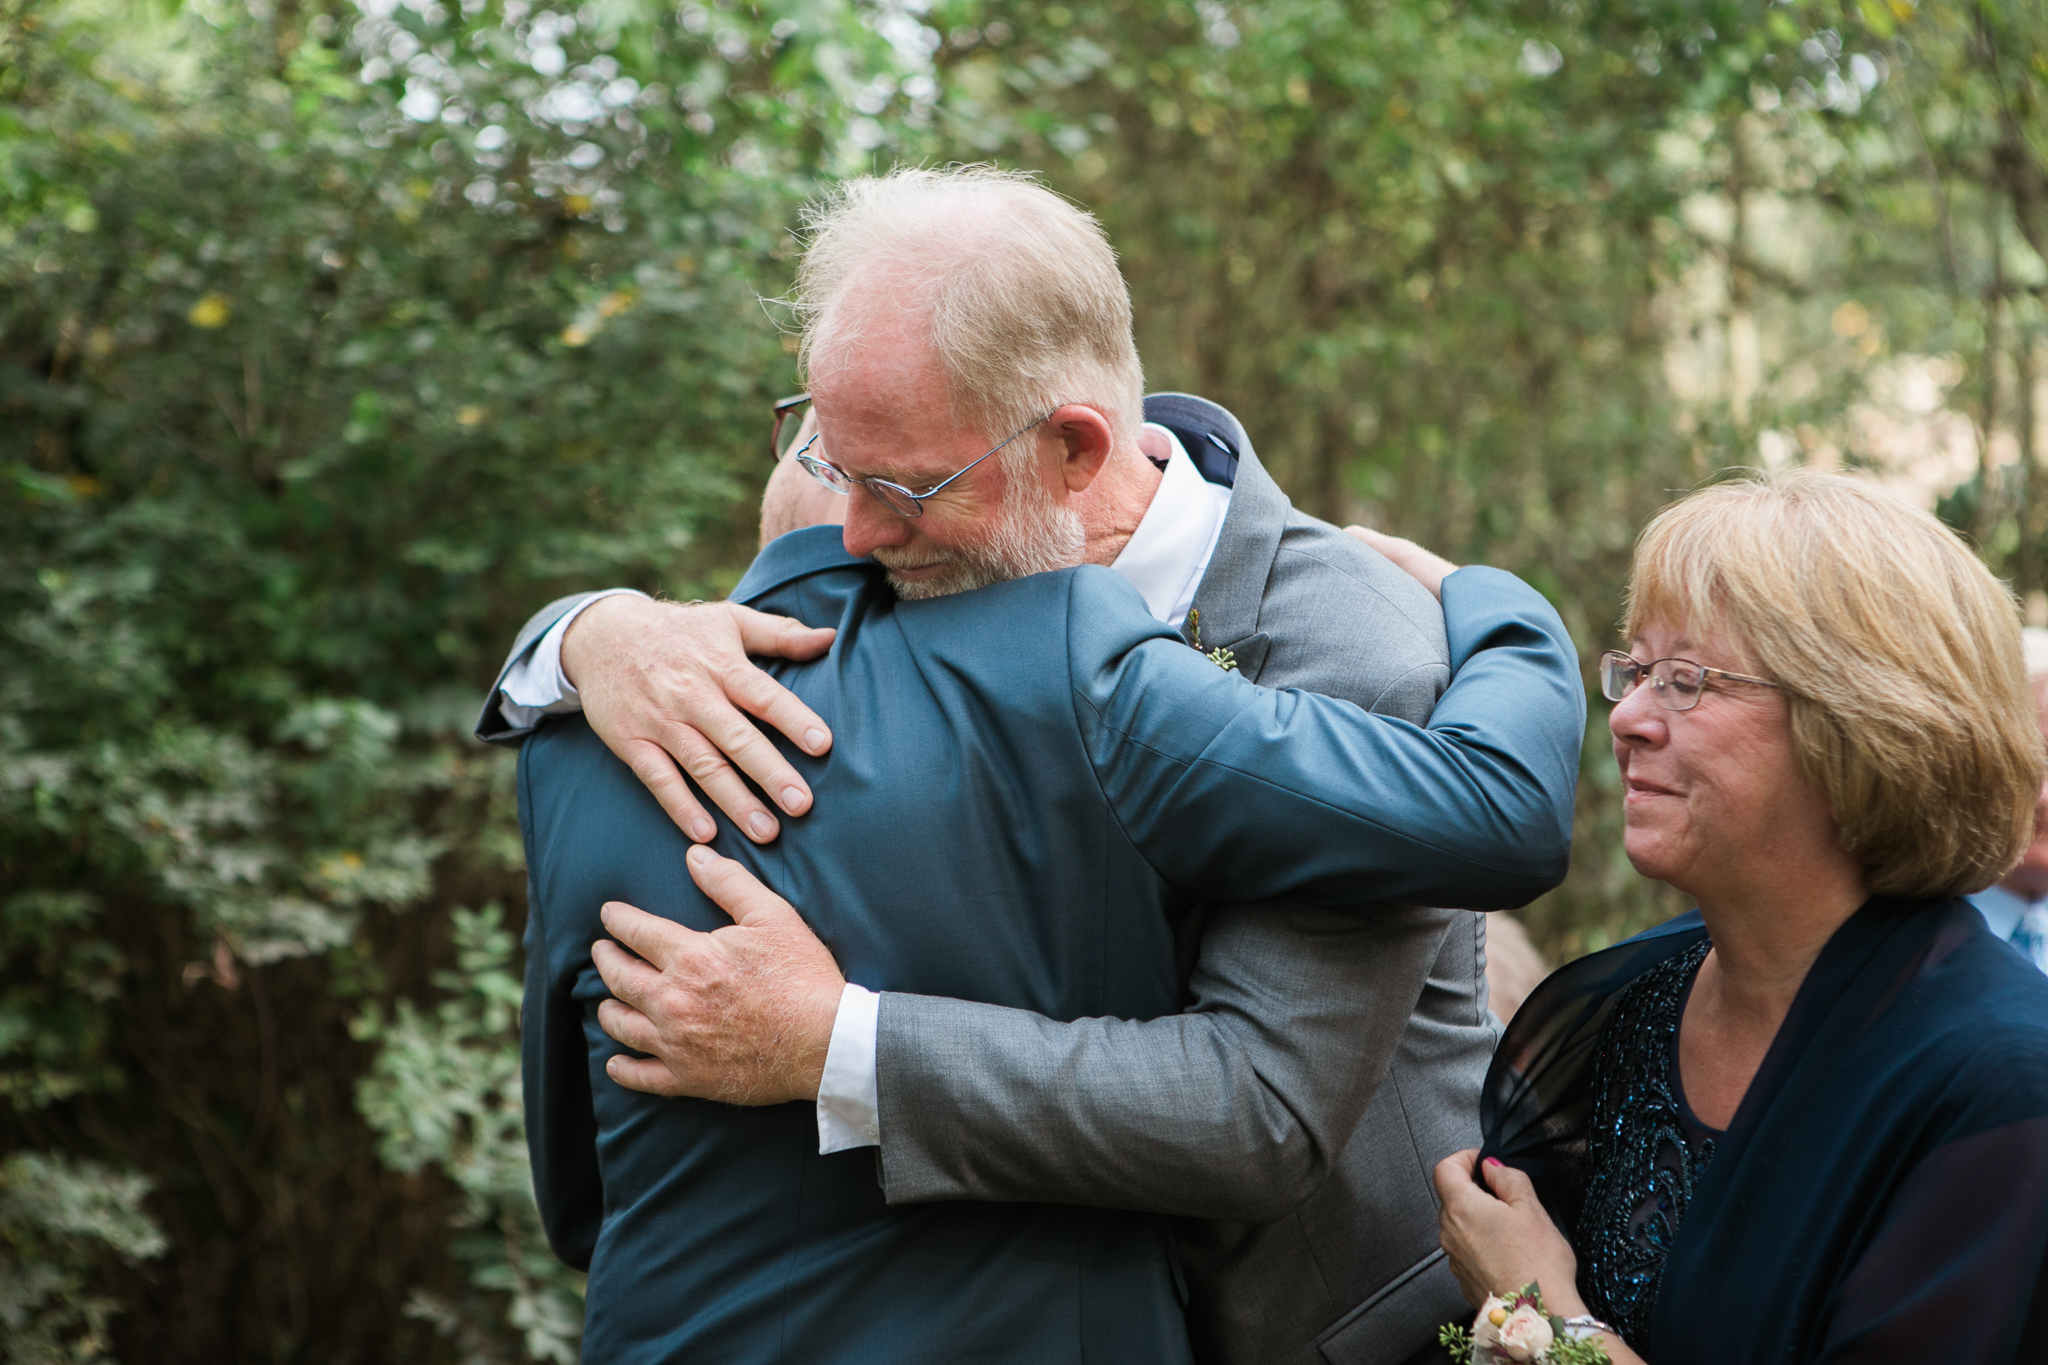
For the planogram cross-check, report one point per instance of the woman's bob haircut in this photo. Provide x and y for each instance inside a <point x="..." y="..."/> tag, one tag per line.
<point x="1897" y="653"/>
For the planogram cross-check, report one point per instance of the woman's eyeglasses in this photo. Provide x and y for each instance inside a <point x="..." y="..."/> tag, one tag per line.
<point x="1676" y="684"/>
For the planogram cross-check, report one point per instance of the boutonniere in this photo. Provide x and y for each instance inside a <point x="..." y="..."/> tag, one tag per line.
<point x="1222" y="658"/>
<point x="1515" y="1327"/>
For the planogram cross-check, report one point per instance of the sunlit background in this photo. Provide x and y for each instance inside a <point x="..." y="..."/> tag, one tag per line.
<point x="336" y="338"/>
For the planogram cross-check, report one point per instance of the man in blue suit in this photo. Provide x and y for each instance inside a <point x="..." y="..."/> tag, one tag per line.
<point x="1031" y="784"/>
<point x="1044" y="778"/>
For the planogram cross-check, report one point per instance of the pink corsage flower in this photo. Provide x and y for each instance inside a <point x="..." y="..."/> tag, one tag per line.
<point x="1525" y="1336"/>
<point x="1516" y="1329"/>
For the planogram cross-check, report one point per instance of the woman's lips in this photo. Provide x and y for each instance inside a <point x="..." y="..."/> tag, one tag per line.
<point x="1638" y="787"/>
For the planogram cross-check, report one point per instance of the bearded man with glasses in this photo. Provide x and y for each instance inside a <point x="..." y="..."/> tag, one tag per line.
<point x="975" y="421"/>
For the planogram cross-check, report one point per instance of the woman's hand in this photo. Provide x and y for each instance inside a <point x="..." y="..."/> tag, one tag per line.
<point x="1497" y="1245"/>
<point x="1428" y="569"/>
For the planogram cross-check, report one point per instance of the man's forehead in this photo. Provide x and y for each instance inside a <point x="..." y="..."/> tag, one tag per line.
<point x="888" y="357"/>
<point x="868" y="444"/>
<point x="876" y="413"/>
<point x="877" y="314"/>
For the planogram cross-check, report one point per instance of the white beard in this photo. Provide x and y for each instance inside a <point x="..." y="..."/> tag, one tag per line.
<point x="1034" y="534"/>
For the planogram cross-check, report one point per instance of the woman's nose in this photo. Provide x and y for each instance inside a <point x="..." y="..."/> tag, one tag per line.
<point x="1637" y="718"/>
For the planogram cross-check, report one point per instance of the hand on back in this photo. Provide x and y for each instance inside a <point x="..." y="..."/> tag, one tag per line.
<point x="670" y="690"/>
<point x="743" y="1014"/>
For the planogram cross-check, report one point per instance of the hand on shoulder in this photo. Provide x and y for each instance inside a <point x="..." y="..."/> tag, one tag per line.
<point x="671" y="690"/>
<point x="1428" y="569"/>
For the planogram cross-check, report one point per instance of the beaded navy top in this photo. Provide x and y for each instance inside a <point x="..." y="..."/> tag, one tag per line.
<point x="1646" y="1151"/>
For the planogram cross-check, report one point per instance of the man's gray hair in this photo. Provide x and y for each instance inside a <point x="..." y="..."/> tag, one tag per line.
<point x="1027" y="310"/>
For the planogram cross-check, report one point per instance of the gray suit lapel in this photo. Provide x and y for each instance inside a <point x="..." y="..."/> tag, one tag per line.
<point x="1234" y="585"/>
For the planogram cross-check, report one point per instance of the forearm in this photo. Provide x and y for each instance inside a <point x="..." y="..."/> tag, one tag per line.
<point x="1238" y="794"/>
<point x="979" y="1102"/>
<point x="1568" y="1303"/>
<point x="1234" y="1110"/>
<point x="533" y="683"/>
<point x="1618" y="1352"/>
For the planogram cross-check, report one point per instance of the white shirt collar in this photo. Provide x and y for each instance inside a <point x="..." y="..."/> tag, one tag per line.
<point x="1168" y="553"/>
<point x="2002" y="909"/>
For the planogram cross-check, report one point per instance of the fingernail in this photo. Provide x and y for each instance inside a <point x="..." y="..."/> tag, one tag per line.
<point x="814" y="740"/>
<point x="1493" y="1161"/>
<point x="792" y="799"/>
<point x="699" y="854"/>
<point x="703" y="830"/>
<point x="763" y="827"/>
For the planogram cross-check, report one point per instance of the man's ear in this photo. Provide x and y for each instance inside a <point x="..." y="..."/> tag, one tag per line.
<point x="1087" y="439"/>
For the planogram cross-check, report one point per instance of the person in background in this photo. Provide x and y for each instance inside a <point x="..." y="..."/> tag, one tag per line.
<point x="1808" y="1121"/>
<point x="1514" y="965"/>
<point x="2017" y="907"/>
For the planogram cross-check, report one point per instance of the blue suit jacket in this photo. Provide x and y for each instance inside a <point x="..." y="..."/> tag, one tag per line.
<point x="1027" y="784"/>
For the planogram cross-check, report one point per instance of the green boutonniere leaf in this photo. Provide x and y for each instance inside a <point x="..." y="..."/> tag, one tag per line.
<point x="1222" y="658"/>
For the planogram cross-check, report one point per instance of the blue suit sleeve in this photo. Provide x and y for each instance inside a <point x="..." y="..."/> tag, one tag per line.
<point x="1238" y="793"/>
<point x="561" y="1125"/>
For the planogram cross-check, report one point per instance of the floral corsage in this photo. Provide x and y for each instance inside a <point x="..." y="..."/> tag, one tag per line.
<point x="1515" y="1327"/>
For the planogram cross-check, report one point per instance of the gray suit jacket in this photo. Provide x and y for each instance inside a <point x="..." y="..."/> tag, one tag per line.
<point x="1292" y="1115"/>
<point x="1326" y="1060"/>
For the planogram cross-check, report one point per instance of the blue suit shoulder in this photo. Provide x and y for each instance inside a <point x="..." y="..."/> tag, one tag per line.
<point x="807" y="574"/>
<point x="1988" y="1004"/>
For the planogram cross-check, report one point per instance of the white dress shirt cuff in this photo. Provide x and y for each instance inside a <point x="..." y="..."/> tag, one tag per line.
<point x="849" y="1105"/>
<point x="535" y="686"/>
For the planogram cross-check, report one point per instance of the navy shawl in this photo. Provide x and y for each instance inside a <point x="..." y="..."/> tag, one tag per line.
<point x="1882" y="1191"/>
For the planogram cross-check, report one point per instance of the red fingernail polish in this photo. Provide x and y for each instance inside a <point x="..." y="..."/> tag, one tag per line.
<point x="1493" y="1161"/>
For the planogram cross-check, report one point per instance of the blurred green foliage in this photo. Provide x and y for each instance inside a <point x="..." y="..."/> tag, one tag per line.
<point x="57" y="1216"/>
<point x="335" y="338"/>
<point x="444" y="1091"/>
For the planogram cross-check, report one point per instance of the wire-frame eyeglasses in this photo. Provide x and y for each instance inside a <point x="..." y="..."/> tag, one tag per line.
<point x="786" y="408"/>
<point x="1676" y="684"/>
<point x="894" y="496"/>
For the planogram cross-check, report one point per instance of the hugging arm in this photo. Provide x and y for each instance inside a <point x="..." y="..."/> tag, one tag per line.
<point x="1240" y="1081"/>
<point x="671" y="691"/>
<point x="1237" y="794"/>
<point x="1235" y="1109"/>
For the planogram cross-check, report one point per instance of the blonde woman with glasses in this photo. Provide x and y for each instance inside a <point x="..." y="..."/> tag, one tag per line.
<point x="1807" y="1121"/>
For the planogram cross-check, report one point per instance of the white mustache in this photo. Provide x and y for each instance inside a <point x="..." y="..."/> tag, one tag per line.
<point x="889" y="558"/>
